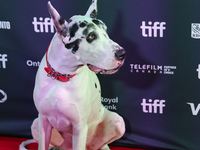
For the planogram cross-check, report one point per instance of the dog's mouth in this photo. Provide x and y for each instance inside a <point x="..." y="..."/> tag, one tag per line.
<point x="104" y="71"/>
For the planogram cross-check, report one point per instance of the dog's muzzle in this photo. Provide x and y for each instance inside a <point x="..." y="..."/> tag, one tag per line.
<point x="120" y="54"/>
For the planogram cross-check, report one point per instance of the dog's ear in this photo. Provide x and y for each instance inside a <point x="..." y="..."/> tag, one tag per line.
<point x="92" y="11"/>
<point x="59" y="22"/>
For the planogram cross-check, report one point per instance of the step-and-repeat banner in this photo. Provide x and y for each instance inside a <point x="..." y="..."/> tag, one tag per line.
<point x="157" y="91"/>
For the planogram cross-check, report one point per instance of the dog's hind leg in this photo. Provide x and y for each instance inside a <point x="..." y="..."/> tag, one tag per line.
<point x="45" y="130"/>
<point x="114" y="127"/>
<point x="34" y="130"/>
<point x="110" y="129"/>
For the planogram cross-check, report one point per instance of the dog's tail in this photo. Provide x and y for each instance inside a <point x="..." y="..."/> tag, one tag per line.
<point x="23" y="145"/>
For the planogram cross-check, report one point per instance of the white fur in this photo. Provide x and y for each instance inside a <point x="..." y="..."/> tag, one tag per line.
<point x="71" y="115"/>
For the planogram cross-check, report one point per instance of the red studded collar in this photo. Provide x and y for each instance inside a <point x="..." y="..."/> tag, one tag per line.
<point x="54" y="74"/>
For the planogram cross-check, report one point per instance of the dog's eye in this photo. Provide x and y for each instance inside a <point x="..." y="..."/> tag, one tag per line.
<point x="91" y="37"/>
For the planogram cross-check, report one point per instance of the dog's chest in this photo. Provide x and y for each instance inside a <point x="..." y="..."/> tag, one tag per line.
<point x="76" y="100"/>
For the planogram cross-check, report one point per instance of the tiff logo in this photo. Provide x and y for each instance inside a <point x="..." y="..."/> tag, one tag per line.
<point x="3" y="60"/>
<point x="195" y="111"/>
<point x="151" y="106"/>
<point x="156" y="29"/>
<point x="43" y="25"/>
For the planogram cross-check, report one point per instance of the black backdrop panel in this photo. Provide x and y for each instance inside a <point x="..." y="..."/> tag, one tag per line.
<point x="157" y="89"/>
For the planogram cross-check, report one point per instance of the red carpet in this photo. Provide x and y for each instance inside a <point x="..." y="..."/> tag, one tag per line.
<point x="7" y="143"/>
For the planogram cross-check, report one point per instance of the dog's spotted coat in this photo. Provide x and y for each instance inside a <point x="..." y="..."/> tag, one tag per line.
<point x="71" y="115"/>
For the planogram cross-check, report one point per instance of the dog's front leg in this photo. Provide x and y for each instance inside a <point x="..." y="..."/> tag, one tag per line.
<point x="79" y="136"/>
<point x="45" y="129"/>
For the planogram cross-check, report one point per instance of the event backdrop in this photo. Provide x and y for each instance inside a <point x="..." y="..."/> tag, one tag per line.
<point x="156" y="90"/>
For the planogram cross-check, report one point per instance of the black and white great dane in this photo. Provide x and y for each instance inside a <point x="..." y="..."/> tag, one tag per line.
<point x="67" y="92"/>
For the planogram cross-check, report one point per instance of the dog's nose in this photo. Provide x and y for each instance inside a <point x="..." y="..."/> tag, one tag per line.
<point x="120" y="54"/>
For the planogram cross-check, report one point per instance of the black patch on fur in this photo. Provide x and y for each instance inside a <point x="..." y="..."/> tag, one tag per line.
<point x="89" y="26"/>
<point x="69" y="21"/>
<point x="64" y="32"/>
<point x="61" y="21"/>
<point x="83" y="24"/>
<point x="73" y="45"/>
<point x="85" y="32"/>
<point x="93" y="14"/>
<point x="95" y="85"/>
<point x="97" y="22"/>
<point x="73" y="30"/>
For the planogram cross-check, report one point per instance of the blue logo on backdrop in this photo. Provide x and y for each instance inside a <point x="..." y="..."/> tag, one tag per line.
<point x="155" y="29"/>
<point x="2" y="100"/>
<point x="195" y="30"/>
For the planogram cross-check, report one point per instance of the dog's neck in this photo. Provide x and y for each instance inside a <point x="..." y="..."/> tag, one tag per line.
<point x="62" y="59"/>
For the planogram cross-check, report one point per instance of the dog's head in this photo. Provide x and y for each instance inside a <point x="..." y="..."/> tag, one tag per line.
<point x="86" y="37"/>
